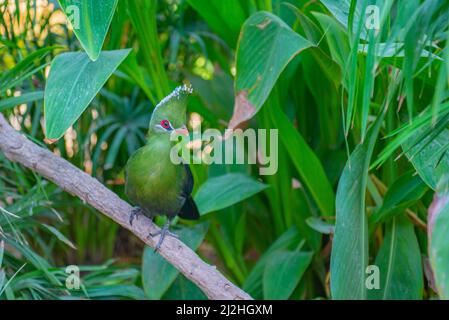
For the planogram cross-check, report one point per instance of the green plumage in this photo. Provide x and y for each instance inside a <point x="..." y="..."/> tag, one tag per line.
<point x="153" y="182"/>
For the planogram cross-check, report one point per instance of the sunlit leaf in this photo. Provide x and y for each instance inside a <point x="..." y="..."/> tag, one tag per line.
<point x="73" y="82"/>
<point x="266" y="46"/>
<point x="90" y="21"/>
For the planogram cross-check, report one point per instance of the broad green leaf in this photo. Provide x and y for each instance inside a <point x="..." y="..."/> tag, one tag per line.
<point x="184" y="289"/>
<point x="22" y="99"/>
<point x="403" y="192"/>
<point x="266" y="46"/>
<point x="438" y="229"/>
<point x="224" y="191"/>
<point x="90" y="21"/>
<point x="73" y="82"/>
<point x="341" y="10"/>
<point x="283" y="272"/>
<point x="399" y="262"/>
<point x="157" y="274"/>
<point x="311" y="30"/>
<point x="320" y="225"/>
<point x="349" y="257"/>
<point x="336" y="38"/>
<point x="223" y="17"/>
<point x="253" y="283"/>
<point x="325" y="63"/>
<point x="306" y="162"/>
<point x="409" y="134"/>
<point x="430" y="158"/>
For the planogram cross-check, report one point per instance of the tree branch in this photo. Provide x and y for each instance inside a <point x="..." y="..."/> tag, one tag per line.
<point x="18" y="148"/>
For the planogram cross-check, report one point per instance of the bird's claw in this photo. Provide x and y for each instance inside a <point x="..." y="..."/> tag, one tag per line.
<point x="135" y="212"/>
<point x="163" y="232"/>
<point x="167" y="233"/>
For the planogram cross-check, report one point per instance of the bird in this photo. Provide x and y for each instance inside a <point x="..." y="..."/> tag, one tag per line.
<point x="155" y="184"/>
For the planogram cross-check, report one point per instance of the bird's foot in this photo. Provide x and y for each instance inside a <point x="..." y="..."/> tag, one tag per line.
<point x="163" y="232"/>
<point x="135" y="213"/>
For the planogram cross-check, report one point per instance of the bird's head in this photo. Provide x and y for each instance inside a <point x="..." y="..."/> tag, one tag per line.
<point x="170" y="114"/>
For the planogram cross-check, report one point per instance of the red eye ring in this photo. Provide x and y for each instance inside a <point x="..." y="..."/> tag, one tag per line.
<point x="165" y="124"/>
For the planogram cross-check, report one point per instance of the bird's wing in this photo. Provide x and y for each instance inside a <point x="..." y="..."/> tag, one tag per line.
<point x="189" y="210"/>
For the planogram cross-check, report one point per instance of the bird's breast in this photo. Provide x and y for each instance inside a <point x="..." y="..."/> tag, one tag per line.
<point x="153" y="182"/>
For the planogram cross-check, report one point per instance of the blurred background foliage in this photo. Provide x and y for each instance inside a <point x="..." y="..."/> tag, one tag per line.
<point x="334" y="89"/>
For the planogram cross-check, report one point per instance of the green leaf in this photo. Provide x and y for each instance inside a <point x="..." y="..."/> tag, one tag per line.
<point x="184" y="289"/>
<point x="430" y="158"/>
<point x="439" y="245"/>
<point x="143" y="16"/>
<point x="117" y="290"/>
<point x="266" y="46"/>
<point x="37" y="261"/>
<point x="283" y="272"/>
<point x="2" y="273"/>
<point x="336" y="38"/>
<point x="320" y="225"/>
<point x="90" y="21"/>
<point x="399" y="262"/>
<point x="24" y="69"/>
<point x="349" y="257"/>
<point x="2" y="249"/>
<point x="131" y="68"/>
<point x="73" y="82"/>
<point x="24" y="98"/>
<point x="404" y="192"/>
<point x="59" y="235"/>
<point x="2" y="280"/>
<point x="341" y="10"/>
<point x="224" y="191"/>
<point x="253" y="283"/>
<point x="223" y="17"/>
<point x="157" y="274"/>
<point x="306" y="162"/>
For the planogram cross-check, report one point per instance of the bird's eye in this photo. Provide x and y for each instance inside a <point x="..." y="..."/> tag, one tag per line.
<point x="165" y="124"/>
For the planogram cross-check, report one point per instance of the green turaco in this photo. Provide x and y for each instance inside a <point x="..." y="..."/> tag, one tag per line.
<point x="154" y="183"/>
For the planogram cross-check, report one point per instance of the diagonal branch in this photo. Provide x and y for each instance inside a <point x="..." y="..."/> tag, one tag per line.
<point x="18" y="148"/>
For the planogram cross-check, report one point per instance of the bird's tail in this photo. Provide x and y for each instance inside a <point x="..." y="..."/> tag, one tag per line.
<point x="189" y="210"/>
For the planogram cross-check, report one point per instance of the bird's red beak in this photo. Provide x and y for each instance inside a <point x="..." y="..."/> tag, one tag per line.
<point x="183" y="130"/>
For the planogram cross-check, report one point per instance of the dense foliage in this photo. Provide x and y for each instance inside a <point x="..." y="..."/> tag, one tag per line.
<point x="358" y="91"/>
